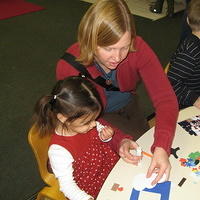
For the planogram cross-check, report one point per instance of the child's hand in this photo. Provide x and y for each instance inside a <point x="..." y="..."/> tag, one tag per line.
<point x="106" y="133"/>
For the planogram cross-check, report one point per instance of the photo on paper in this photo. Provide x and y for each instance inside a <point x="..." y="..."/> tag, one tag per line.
<point x="191" y="125"/>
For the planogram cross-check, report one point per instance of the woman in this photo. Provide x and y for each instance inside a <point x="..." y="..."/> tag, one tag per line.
<point x="108" y="47"/>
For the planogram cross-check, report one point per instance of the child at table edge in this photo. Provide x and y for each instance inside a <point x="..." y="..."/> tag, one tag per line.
<point x="81" y="155"/>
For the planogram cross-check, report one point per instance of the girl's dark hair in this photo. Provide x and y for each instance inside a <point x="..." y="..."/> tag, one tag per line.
<point x="73" y="97"/>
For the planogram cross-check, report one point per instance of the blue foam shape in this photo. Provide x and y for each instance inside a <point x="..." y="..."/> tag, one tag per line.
<point x="161" y="188"/>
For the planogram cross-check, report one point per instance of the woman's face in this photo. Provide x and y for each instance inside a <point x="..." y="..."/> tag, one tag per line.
<point x="109" y="57"/>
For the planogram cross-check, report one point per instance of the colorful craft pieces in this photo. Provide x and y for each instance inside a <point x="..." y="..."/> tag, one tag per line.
<point x="192" y="161"/>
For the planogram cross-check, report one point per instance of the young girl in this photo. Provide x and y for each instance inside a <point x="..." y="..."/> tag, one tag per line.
<point x="82" y="151"/>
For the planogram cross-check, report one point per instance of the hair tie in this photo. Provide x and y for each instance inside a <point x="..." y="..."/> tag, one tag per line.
<point x="53" y="101"/>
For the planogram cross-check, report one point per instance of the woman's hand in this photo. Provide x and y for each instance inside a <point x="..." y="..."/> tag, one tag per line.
<point x="124" y="151"/>
<point x="106" y="133"/>
<point x="160" y="164"/>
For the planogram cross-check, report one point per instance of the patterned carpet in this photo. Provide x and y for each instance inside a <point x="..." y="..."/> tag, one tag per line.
<point x="141" y="8"/>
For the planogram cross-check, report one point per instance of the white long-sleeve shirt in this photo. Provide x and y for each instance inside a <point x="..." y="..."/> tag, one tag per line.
<point x="61" y="164"/>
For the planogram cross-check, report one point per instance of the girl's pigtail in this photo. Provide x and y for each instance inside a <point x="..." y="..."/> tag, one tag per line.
<point x="44" y="117"/>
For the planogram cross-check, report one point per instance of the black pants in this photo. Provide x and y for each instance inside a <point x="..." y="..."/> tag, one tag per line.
<point x="130" y="119"/>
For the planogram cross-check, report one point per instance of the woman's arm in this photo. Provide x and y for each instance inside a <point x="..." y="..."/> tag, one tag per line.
<point x="61" y="164"/>
<point x="161" y="93"/>
<point x="145" y="62"/>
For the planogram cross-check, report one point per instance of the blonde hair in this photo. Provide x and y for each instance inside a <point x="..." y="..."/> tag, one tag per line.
<point x="103" y="24"/>
<point x="193" y="13"/>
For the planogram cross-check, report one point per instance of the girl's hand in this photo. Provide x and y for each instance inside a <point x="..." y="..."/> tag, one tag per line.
<point x="106" y="133"/>
<point x="124" y="151"/>
<point x="160" y="164"/>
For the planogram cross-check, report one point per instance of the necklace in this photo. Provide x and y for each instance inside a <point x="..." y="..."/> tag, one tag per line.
<point x="107" y="76"/>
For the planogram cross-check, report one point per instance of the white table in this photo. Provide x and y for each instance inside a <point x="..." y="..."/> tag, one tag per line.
<point x="124" y="173"/>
